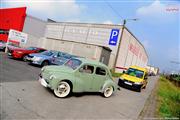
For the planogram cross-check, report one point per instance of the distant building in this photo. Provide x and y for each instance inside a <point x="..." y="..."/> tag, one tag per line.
<point x="152" y="70"/>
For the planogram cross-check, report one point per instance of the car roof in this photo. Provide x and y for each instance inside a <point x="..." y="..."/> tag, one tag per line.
<point x="85" y="60"/>
<point x="139" y="68"/>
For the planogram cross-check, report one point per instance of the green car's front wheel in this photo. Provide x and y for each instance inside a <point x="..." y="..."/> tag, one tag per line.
<point x="108" y="91"/>
<point x="63" y="89"/>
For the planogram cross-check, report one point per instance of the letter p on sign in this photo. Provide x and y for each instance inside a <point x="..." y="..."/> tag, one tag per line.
<point x="114" y="37"/>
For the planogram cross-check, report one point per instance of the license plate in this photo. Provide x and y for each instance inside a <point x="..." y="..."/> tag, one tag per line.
<point x="128" y="83"/>
<point x="43" y="82"/>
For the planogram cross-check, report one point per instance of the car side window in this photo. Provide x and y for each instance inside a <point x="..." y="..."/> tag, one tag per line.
<point x="100" y="71"/>
<point x="87" y="69"/>
<point x="59" y="54"/>
<point x="40" y="50"/>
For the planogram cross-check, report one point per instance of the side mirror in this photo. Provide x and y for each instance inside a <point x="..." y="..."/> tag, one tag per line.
<point x="81" y="70"/>
<point x="123" y="71"/>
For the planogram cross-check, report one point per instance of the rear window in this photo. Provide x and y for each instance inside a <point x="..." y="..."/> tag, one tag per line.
<point x="100" y="71"/>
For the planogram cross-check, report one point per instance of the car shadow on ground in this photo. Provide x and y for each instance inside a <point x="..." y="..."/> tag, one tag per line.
<point x="86" y="94"/>
<point x="38" y="66"/>
<point x="129" y="88"/>
<point x="76" y="94"/>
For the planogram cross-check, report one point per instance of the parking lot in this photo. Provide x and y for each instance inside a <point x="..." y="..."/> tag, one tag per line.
<point x="22" y="97"/>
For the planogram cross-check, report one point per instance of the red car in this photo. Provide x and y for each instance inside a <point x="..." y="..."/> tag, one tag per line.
<point x="21" y="53"/>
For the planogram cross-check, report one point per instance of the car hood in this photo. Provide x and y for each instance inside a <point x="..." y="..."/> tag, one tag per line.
<point x="57" y="69"/>
<point x="131" y="78"/>
<point x="22" y="50"/>
<point x="39" y="55"/>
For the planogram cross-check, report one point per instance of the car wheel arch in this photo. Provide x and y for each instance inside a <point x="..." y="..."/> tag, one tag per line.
<point x="68" y="85"/>
<point x="107" y="85"/>
<point x="24" y="56"/>
<point x="68" y="81"/>
<point x="45" y="61"/>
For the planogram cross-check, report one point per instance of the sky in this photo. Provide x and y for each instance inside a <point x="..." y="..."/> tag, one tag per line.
<point x="157" y="27"/>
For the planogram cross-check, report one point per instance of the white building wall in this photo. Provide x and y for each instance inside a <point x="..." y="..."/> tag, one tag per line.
<point x="79" y="49"/>
<point x="75" y="33"/>
<point x="123" y="49"/>
<point x="35" y="28"/>
<point x="131" y="50"/>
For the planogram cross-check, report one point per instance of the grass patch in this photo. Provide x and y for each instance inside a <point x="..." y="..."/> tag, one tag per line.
<point x="114" y="74"/>
<point x="168" y="99"/>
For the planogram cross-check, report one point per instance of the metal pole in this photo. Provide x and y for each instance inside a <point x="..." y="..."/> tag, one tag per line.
<point x="6" y="48"/>
<point x="117" y="53"/>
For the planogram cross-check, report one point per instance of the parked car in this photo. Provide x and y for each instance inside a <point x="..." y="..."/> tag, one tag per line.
<point x="2" y="45"/>
<point x="135" y="77"/>
<point x="78" y="75"/>
<point x="62" y="58"/>
<point x="22" y="53"/>
<point x="10" y="46"/>
<point x="45" y="58"/>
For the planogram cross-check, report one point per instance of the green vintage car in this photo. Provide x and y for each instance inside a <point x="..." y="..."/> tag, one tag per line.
<point x="78" y="75"/>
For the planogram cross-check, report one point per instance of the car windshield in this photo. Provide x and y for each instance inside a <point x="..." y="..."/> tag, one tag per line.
<point x="73" y="63"/>
<point x="135" y="72"/>
<point x="48" y="53"/>
<point x="62" y="60"/>
<point x="31" y="48"/>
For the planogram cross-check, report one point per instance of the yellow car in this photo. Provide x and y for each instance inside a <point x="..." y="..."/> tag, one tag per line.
<point x="135" y="77"/>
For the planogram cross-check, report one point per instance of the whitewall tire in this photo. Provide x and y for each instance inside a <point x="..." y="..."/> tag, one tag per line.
<point x="63" y="89"/>
<point x="108" y="91"/>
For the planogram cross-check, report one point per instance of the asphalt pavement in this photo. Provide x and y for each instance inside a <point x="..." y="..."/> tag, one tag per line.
<point x="22" y="97"/>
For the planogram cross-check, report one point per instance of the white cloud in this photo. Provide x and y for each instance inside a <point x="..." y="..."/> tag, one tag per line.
<point x="49" y="8"/>
<point x="155" y="8"/>
<point x="158" y="12"/>
<point x="107" y="22"/>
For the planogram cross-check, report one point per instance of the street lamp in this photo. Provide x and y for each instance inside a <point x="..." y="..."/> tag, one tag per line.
<point x="117" y="53"/>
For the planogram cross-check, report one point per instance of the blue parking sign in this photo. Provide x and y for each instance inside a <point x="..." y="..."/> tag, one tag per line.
<point x="114" y="37"/>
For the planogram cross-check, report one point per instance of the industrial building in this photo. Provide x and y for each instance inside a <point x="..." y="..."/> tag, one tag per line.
<point x="83" y="39"/>
<point x="94" y="41"/>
